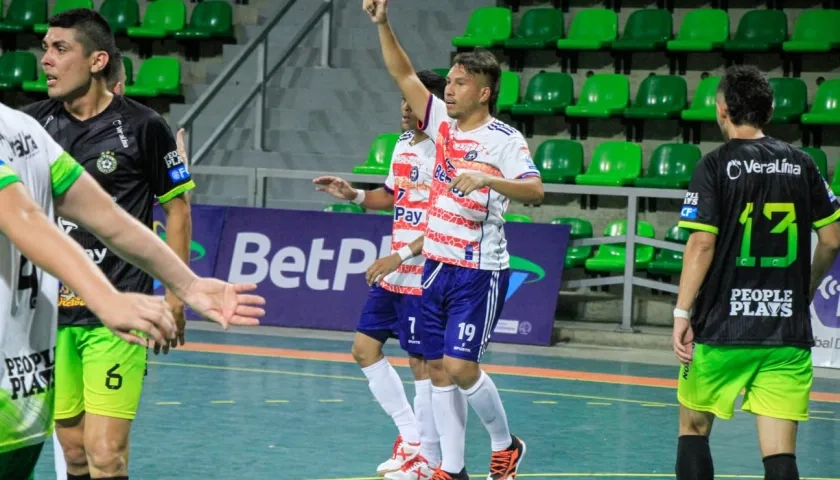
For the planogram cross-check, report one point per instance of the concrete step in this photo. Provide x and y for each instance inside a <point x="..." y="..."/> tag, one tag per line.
<point x="648" y="337"/>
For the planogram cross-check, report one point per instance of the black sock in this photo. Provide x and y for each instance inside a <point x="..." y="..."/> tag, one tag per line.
<point x="781" y="467"/>
<point x="694" y="458"/>
<point x="111" y="478"/>
<point x="78" y="477"/>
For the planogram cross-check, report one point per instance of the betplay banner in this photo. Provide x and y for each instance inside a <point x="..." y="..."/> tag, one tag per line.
<point x="825" y="316"/>
<point x="310" y="266"/>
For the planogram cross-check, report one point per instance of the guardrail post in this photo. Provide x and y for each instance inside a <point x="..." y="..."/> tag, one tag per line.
<point x="259" y="104"/>
<point x="326" y="35"/>
<point x="630" y="265"/>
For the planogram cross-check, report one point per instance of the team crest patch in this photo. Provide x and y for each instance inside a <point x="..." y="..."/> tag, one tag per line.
<point x="471" y="155"/>
<point x="107" y="162"/>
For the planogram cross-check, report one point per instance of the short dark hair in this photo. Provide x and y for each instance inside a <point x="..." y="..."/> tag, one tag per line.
<point x="748" y="96"/>
<point x="116" y="63"/>
<point x="92" y="31"/>
<point x="482" y="62"/>
<point x="433" y="82"/>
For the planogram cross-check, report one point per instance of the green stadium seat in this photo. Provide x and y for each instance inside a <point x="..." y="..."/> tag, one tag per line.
<point x="39" y="85"/>
<point x="120" y="15"/>
<point x="538" y="28"/>
<point x="379" y="156"/>
<point x="443" y="72"/>
<point x="646" y="30"/>
<point x="487" y="27"/>
<point x="671" y="166"/>
<point x="62" y="6"/>
<point x="16" y="67"/>
<point x="344" y="208"/>
<point x="517" y="218"/>
<point x="508" y="91"/>
<point x="702" y="30"/>
<point x="209" y="19"/>
<point x="612" y="257"/>
<point x="815" y="32"/>
<point x="128" y="66"/>
<point x="669" y="262"/>
<point x="22" y="16"/>
<point x="702" y="109"/>
<point x="835" y="181"/>
<point x="559" y="160"/>
<point x="580" y="229"/>
<point x="790" y="99"/>
<point x="659" y="97"/>
<point x="591" y="29"/>
<point x="613" y="164"/>
<point x="161" y="19"/>
<point x="602" y="96"/>
<point x="825" y="109"/>
<point x="157" y="76"/>
<point x="548" y="93"/>
<point x="759" y="31"/>
<point x="390" y="213"/>
<point x="820" y="158"/>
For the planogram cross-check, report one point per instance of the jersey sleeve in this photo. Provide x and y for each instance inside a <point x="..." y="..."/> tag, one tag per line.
<point x="516" y="159"/>
<point x="435" y="115"/>
<point x="701" y="206"/>
<point x="825" y="208"/>
<point x="64" y="169"/>
<point x="389" y="181"/>
<point x="166" y="171"/>
<point x="7" y="175"/>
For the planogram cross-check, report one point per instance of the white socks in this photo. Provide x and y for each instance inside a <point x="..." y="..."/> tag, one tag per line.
<point x="429" y="438"/>
<point x="58" y="454"/>
<point x="450" y="407"/>
<point x="485" y="400"/>
<point x="387" y="388"/>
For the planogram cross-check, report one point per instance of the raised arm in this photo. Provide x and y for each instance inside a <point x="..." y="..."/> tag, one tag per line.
<point x="396" y="60"/>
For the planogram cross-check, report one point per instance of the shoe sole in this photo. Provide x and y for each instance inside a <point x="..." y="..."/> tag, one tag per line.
<point x="518" y="463"/>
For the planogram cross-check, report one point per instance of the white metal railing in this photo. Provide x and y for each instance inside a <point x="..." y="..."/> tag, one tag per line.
<point x="257" y="46"/>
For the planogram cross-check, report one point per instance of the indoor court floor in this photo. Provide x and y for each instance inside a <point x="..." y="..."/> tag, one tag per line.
<point x="292" y="405"/>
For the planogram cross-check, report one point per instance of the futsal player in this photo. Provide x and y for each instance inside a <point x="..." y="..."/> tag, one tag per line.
<point x="394" y="303"/>
<point x="130" y="150"/>
<point x="38" y="180"/>
<point x="742" y="321"/>
<point x="481" y="164"/>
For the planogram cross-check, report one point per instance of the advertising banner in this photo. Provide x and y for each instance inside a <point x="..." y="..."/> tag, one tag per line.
<point x="310" y="267"/>
<point x="825" y="317"/>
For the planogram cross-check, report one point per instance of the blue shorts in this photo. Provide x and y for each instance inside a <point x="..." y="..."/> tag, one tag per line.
<point x="386" y="312"/>
<point x="460" y="308"/>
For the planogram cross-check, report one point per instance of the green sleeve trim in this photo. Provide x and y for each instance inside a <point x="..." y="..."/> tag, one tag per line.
<point x="185" y="187"/>
<point x="698" y="226"/>
<point x="64" y="172"/>
<point x="7" y="176"/>
<point x="830" y="219"/>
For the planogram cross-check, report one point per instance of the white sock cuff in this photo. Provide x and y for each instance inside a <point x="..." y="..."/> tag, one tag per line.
<point x="423" y="386"/>
<point x="436" y="389"/>
<point x="477" y="385"/>
<point x="376" y="366"/>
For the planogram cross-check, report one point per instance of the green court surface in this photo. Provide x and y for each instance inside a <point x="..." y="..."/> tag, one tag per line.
<point x="279" y="413"/>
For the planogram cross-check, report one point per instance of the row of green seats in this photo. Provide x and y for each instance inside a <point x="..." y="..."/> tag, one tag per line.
<point x="702" y="29"/>
<point x="157" y="76"/>
<point x="665" y="97"/>
<point x="612" y="163"/>
<point x="162" y="18"/>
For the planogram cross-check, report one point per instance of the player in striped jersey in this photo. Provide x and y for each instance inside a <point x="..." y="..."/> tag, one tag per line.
<point x="481" y="164"/>
<point x="394" y="302"/>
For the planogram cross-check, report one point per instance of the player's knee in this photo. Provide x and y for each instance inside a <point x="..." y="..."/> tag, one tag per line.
<point x="462" y="372"/>
<point x="418" y="367"/>
<point x="366" y="351"/>
<point x="74" y="456"/>
<point x="108" y="456"/>
<point x="781" y="467"/>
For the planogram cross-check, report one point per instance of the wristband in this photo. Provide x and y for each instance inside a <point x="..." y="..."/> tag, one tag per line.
<point x="405" y="253"/>
<point x="360" y="197"/>
<point x="679" y="313"/>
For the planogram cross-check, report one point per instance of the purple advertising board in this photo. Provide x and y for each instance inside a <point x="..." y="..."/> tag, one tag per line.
<point x="310" y="267"/>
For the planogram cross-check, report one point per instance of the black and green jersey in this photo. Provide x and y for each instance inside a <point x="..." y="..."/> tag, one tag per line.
<point x="761" y="198"/>
<point x="130" y="150"/>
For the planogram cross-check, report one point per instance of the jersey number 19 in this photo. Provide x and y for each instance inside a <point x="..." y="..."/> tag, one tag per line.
<point x="28" y="280"/>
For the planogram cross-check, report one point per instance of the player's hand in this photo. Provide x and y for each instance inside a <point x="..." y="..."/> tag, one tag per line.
<point x="683" y="340"/>
<point x="335" y="186"/>
<point x="177" y="309"/>
<point x="382" y="267"/>
<point x="377" y="9"/>
<point x="225" y="303"/>
<point x="131" y="313"/>
<point x="468" y="182"/>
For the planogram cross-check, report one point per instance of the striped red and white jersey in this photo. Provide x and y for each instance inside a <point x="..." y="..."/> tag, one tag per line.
<point x="410" y="181"/>
<point x="468" y="231"/>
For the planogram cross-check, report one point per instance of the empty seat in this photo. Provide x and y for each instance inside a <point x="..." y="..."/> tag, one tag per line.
<point x="379" y="156"/>
<point x="759" y="31"/>
<point x="613" y="164"/>
<point x="17" y="67"/>
<point x="62" y="6"/>
<point x="825" y="109"/>
<point x="157" y="76"/>
<point x="517" y="218"/>
<point x="508" y="91"/>
<point x="120" y="15"/>
<point x="580" y="228"/>
<point x="559" y="160"/>
<point x="612" y="257"/>
<point x="538" y="28"/>
<point x="591" y="29"/>
<point x="344" y="208"/>
<point x="162" y="18"/>
<point x="702" y="108"/>
<point x="702" y="30"/>
<point x="548" y="93"/>
<point x="820" y="159"/>
<point x="669" y="262"/>
<point x="790" y="99"/>
<point x="22" y="16"/>
<point x="659" y="97"/>
<point x="487" y="27"/>
<point x="646" y="30"/>
<point x="671" y="166"/>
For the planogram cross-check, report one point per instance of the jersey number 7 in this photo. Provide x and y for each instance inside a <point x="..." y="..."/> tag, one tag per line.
<point x="788" y="224"/>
